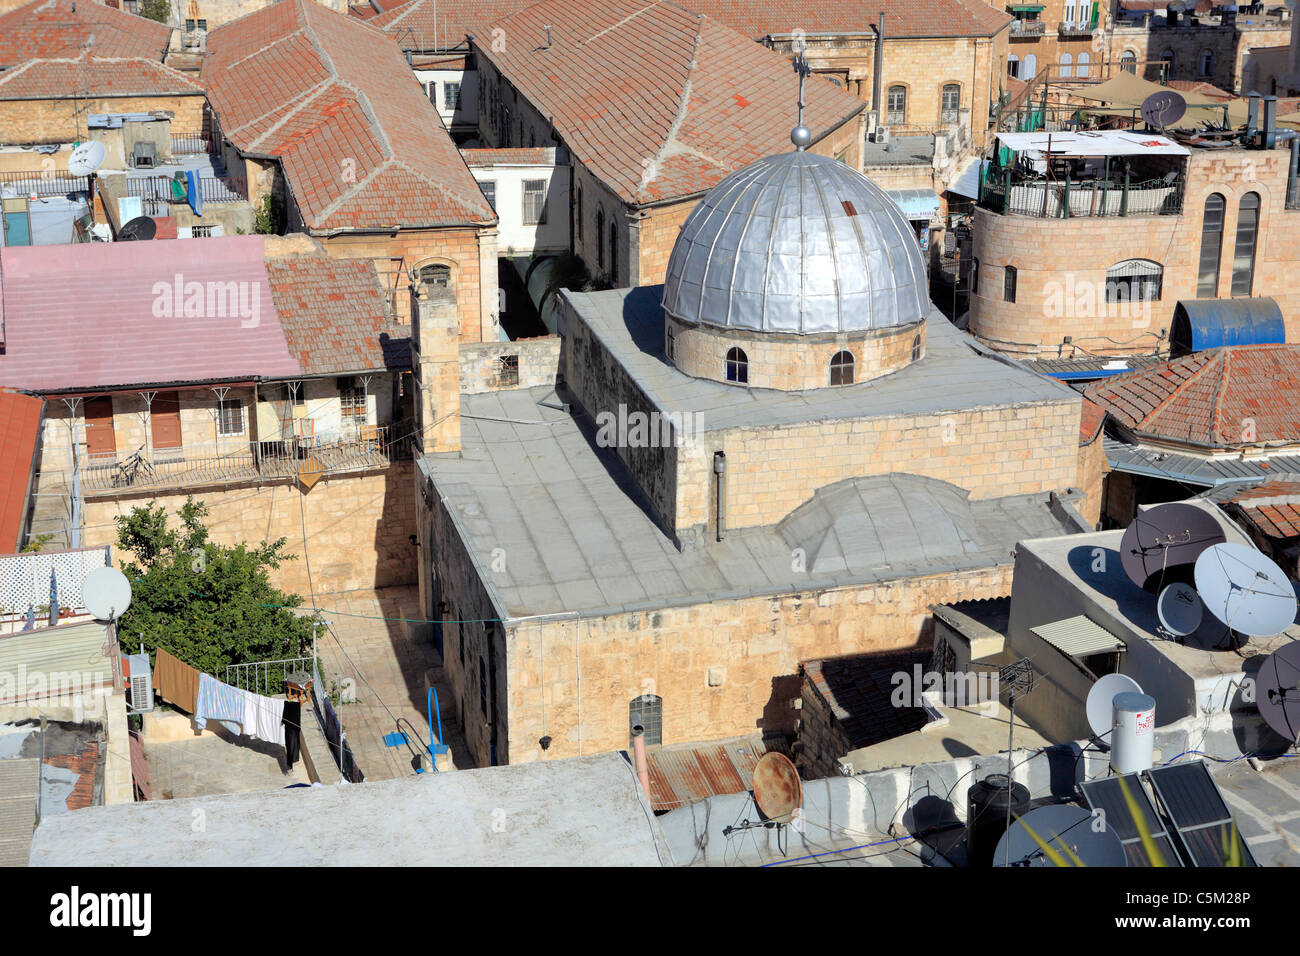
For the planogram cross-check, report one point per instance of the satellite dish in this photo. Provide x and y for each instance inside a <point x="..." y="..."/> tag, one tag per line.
<point x="86" y="158"/>
<point x="1180" y="609"/>
<point x="1099" y="709"/>
<point x="106" y="593"/>
<point x="1277" y="691"/>
<point x="1245" y="590"/>
<point x="1163" y="109"/>
<point x="138" y="229"/>
<point x="1065" y="828"/>
<point x="777" y="789"/>
<point x="1163" y="538"/>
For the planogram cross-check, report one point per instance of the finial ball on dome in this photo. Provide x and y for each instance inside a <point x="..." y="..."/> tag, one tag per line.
<point x="801" y="136"/>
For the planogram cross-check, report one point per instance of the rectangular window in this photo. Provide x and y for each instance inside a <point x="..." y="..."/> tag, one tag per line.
<point x="230" y="417"/>
<point x="489" y="188"/>
<point x="508" y="371"/>
<point x="534" y="202"/>
<point x="897" y="106"/>
<point x="189" y="26"/>
<point x="353" y="402"/>
<point x="451" y="96"/>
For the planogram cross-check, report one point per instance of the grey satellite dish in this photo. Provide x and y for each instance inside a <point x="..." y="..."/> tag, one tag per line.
<point x="1161" y="540"/>
<point x="1068" y="830"/>
<point x="86" y="158"/>
<point x="138" y="229"/>
<point x="1245" y="590"/>
<point x="1180" y="609"/>
<point x="1277" y="691"/>
<point x="1101" y="714"/>
<point x="106" y="593"/>
<point x="1163" y="109"/>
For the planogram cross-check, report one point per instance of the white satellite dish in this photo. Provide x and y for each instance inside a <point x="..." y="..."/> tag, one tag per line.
<point x="1101" y="716"/>
<point x="106" y="592"/>
<point x="1245" y="590"/>
<point x="1180" y="609"/>
<point x="86" y="158"/>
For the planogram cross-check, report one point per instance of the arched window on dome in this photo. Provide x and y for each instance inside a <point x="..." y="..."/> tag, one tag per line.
<point x="737" y="366"/>
<point x="916" y="347"/>
<point x="842" y="368"/>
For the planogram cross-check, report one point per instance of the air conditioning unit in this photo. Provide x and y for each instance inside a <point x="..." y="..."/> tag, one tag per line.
<point x="141" y="683"/>
<point x="144" y="156"/>
<point x="882" y="135"/>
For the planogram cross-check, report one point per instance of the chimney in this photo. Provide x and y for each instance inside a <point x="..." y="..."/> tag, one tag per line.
<point x="878" y="69"/>
<point x="435" y="367"/>
<point x="1270" y="121"/>
<point x="1252" y="117"/>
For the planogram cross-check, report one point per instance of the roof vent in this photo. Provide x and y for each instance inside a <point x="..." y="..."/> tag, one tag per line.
<point x="547" y="28"/>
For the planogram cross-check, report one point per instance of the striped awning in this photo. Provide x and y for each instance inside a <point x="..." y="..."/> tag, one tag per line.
<point x="1079" y="637"/>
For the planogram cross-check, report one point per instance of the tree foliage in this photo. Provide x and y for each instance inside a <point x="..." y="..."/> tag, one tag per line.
<point x="210" y="605"/>
<point x="159" y="10"/>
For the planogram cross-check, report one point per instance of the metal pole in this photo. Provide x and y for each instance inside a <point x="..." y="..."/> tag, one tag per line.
<point x="40" y="773"/>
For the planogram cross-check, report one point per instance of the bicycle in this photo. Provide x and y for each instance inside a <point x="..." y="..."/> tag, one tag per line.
<point x="132" y="468"/>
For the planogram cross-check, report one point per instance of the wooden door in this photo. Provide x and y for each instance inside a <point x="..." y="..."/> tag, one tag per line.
<point x="101" y="443"/>
<point x="165" y="415"/>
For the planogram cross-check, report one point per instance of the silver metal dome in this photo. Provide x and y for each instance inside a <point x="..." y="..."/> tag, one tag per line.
<point x="801" y="243"/>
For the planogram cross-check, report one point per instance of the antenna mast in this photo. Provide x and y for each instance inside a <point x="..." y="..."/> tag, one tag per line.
<point x="801" y="135"/>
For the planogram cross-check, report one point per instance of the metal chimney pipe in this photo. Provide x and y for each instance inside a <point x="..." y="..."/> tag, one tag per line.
<point x="547" y="28"/>
<point x="878" y="69"/>
<point x="1270" y="120"/>
<point x="639" y="759"/>
<point x="1252" y="117"/>
<point x="720" y="472"/>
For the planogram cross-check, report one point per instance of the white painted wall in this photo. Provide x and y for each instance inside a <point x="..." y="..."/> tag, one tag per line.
<point x="435" y="87"/>
<point x="514" y="236"/>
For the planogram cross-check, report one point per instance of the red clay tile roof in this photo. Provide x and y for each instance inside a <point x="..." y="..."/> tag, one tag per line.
<point x="1273" y="507"/>
<point x="333" y="99"/>
<point x="1091" y="419"/>
<point x="527" y="156"/>
<point x="1199" y="86"/>
<point x="102" y="76"/>
<point x="659" y="103"/>
<point x="903" y="18"/>
<point x="335" y="315"/>
<point x="414" y="27"/>
<point x="1234" y="397"/>
<point x="49" y="29"/>
<point x="20" y="428"/>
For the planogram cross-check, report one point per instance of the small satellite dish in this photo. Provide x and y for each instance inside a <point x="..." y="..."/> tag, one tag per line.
<point x="777" y="789"/>
<point x="1180" y="609"/>
<point x="1068" y="830"/>
<point x="138" y="229"/>
<point x="106" y="593"/>
<point x="1245" y="590"/>
<point x="86" y="158"/>
<point x="1100" y="712"/>
<point x="1163" y="109"/>
<point x="1277" y="691"/>
<point x="1163" y="538"/>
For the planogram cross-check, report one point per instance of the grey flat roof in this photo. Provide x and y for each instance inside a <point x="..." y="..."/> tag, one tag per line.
<point x="578" y="537"/>
<point x="957" y="373"/>
<point x="1140" y="460"/>
<point x="585" y="811"/>
<point x="902" y="151"/>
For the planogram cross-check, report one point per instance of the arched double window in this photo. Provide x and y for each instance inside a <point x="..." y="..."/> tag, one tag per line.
<point x="1067" y="66"/>
<point x="1207" y="275"/>
<point x="1128" y="61"/>
<point x="737" y="366"/>
<point x="1243" y="257"/>
<point x="842" y="368"/>
<point x="950" y="103"/>
<point x="1134" y="280"/>
<point x="897" y="106"/>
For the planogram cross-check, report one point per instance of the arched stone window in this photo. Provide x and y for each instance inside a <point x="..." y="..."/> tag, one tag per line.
<point x="1207" y="281"/>
<point x="897" y="106"/>
<point x="436" y="275"/>
<point x="842" y="368"/>
<point x="1134" y="280"/>
<point x="1243" y="258"/>
<point x="1009" y="284"/>
<point x="1129" y="61"/>
<point x="737" y="366"/>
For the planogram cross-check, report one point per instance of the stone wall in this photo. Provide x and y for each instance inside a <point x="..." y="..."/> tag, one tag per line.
<point x="1230" y="48"/>
<point x="355" y="529"/>
<point x="538" y="364"/>
<point x="1093" y="468"/>
<point x="822" y="739"/>
<point x="63" y="120"/>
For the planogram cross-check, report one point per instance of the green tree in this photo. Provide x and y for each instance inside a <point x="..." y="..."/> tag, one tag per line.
<point x="210" y="605"/>
<point x="269" y="220"/>
<point x="159" y="10"/>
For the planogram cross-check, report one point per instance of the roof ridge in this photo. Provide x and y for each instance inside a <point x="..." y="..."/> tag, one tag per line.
<point x="1216" y="404"/>
<point x="302" y="104"/>
<point x="650" y="167"/>
<point x="615" y="26"/>
<point x="1173" y="392"/>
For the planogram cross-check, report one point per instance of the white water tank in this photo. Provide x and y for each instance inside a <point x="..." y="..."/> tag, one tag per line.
<point x="1133" y="739"/>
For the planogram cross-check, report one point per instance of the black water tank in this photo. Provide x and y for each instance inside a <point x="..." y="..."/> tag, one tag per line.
<point x="986" y="815"/>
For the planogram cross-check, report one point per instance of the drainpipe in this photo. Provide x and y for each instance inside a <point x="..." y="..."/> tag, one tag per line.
<point x="639" y="759"/>
<point x="1291" y="197"/>
<point x="720" y="473"/>
<point x="878" y="68"/>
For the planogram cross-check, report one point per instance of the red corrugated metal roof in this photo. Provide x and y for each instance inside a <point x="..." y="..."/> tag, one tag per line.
<point x="95" y="315"/>
<point x="20" y="429"/>
<point x="680" y="775"/>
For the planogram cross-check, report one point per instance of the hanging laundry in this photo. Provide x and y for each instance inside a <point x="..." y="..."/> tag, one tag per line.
<point x="175" y="681"/>
<point x="264" y="718"/>
<point x="292" y="730"/>
<point x="218" y="701"/>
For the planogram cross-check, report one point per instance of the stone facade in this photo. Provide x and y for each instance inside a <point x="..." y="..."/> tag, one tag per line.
<point x="523" y="363"/>
<point x="63" y="120"/>
<point x="791" y="362"/>
<point x="1062" y="263"/>
<point x="1229" y="48"/>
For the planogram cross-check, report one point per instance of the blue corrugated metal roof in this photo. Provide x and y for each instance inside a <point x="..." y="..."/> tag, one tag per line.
<point x="1213" y="323"/>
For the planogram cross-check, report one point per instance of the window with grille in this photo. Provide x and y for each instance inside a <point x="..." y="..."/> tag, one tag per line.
<point x="1009" y="284"/>
<point x="950" y="103"/>
<point x="1243" y="259"/>
<point x="230" y="417"/>
<point x="436" y="275"/>
<point x="737" y="366"/>
<point x="451" y="96"/>
<point x="534" y="202"/>
<point x="897" y="105"/>
<point x="508" y="371"/>
<point x="1207" y="283"/>
<point x="201" y="232"/>
<point x="647" y="712"/>
<point x="1134" y="280"/>
<point x="353" y="402"/>
<point x="842" y="368"/>
<point x="489" y="188"/>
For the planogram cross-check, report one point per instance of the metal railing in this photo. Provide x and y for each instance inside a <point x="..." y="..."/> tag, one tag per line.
<point x="267" y="677"/>
<point x="1075" y="29"/>
<point x="43" y="183"/>
<point x="156" y="195"/>
<point x="190" y="144"/>
<point x="235" y="460"/>
<point x="1028" y="28"/>
<point x="1067" y="199"/>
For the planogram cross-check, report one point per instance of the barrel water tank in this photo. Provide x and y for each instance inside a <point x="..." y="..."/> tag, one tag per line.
<point x="1133" y="740"/>
<point x="986" y="815"/>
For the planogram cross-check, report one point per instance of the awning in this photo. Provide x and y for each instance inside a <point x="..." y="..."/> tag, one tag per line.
<point x="1129" y="90"/>
<point x="1079" y="637"/>
<point x="1026" y="8"/>
<point x="916" y="203"/>
<point x="1213" y="323"/>
<point x="967" y="181"/>
<point x="1096" y="143"/>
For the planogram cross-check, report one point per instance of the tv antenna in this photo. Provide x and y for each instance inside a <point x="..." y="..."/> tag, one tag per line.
<point x="1019" y="678"/>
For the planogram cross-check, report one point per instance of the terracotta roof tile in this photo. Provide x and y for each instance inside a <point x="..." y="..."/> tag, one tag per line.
<point x="333" y="99"/>
<point x="903" y="18"/>
<point x="528" y="156"/>
<point x="49" y="29"/>
<point x="20" y="425"/>
<point x="1091" y="419"/>
<point x="103" y="76"/>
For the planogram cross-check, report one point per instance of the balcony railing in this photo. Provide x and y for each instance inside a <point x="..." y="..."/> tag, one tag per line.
<point x="44" y="183"/>
<point x="1066" y="199"/>
<point x="1027" y="29"/>
<point x="1075" y="30"/>
<point x="237" y="460"/>
<point x="157" y="195"/>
